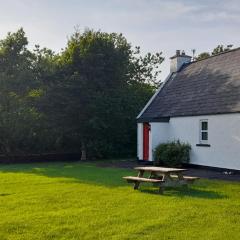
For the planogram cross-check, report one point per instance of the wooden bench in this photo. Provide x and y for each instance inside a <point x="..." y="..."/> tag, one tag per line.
<point x="161" y="177"/>
<point x="189" y="179"/>
<point x="138" y="180"/>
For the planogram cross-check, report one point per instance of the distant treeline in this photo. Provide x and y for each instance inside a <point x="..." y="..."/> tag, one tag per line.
<point x="84" y="99"/>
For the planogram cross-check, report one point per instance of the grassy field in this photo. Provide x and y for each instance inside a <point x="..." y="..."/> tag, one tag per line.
<point x="82" y="201"/>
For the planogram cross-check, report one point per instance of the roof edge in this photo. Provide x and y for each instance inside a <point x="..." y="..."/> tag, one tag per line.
<point x="204" y="114"/>
<point x="154" y="95"/>
<point x="158" y="119"/>
<point x="232" y="50"/>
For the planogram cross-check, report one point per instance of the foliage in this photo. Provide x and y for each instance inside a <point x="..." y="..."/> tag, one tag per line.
<point x="71" y="101"/>
<point x="82" y="201"/>
<point x="145" y="68"/>
<point x="172" y="154"/>
<point x="19" y="118"/>
<point x="203" y="55"/>
<point x="217" y="50"/>
<point x="96" y="88"/>
<point x="221" y="49"/>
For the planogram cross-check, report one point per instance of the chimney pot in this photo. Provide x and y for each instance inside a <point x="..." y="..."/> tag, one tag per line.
<point x="179" y="60"/>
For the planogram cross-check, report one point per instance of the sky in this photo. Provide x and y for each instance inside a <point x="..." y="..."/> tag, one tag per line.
<point x="154" y="25"/>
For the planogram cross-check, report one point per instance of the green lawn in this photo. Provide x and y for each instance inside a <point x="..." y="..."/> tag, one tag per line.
<point x="82" y="201"/>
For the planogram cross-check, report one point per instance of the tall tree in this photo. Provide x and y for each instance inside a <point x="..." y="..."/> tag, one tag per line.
<point x="85" y="98"/>
<point x="17" y="82"/>
<point x="100" y="78"/>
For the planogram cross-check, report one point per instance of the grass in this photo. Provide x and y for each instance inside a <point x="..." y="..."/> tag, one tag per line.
<point x="82" y="201"/>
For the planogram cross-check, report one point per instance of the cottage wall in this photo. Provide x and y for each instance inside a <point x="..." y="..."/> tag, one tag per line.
<point x="224" y="139"/>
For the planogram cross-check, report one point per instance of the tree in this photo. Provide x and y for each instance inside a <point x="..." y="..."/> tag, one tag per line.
<point x="100" y="79"/>
<point x="85" y="98"/>
<point x="217" y="50"/>
<point x="17" y="113"/>
<point x="202" y="56"/>
<point x="221" y="49"/>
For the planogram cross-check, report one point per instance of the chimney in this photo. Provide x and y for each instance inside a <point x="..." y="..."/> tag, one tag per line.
<point x="178" y="60"/>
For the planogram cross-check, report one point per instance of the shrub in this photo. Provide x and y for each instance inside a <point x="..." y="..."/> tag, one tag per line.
<point x="172" y="154"/>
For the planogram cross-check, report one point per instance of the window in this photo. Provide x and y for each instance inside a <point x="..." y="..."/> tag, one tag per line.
<point x="203" y="131"/>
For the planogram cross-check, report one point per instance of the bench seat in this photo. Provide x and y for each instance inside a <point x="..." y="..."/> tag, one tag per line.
<point x="187" y="178"/>
<point x="140" y="179"/>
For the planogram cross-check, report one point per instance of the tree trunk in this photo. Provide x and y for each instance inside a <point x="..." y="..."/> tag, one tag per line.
<point x="83" y="152"/>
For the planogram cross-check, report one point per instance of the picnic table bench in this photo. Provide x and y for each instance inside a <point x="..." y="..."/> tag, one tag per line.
<point x="161" y="177"/>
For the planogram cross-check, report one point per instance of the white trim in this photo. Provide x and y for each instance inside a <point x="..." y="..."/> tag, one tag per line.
<point x="140" y="140"/>
<point x="150" y="157"/>
<point x="155" y="94"/>
<point x="201" y="141"/>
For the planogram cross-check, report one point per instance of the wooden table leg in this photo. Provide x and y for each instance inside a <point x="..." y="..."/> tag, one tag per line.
<point x="180" y="176"/>
<point x="136" y="184"/>
<point x="181" y="179"/>
<point x="161" y="190"/>
<point x="165" y="178"/>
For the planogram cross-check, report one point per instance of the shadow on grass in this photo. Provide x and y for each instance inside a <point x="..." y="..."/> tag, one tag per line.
<point x="109" y="177"/>
<point x="5" y="194"/>
<point x="187" y="192"/>
<point x="77" y="172"/>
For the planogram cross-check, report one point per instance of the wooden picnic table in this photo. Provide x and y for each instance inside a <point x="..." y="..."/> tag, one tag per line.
<point x="161" y="176"/>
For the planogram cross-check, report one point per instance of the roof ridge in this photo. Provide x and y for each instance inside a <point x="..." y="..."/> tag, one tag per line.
<point x="199" y="90"/>
<point x="232" y="50"/>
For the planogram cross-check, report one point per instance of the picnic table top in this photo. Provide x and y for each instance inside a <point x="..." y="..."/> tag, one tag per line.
<point x="160" y="169"/>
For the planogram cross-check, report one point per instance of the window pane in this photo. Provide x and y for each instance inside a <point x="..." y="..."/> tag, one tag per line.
<point x="204" y="136"/>
<point x="204" y="125"/>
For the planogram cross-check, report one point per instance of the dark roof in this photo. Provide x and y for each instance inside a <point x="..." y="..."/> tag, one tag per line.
<point x="209" y="86"/>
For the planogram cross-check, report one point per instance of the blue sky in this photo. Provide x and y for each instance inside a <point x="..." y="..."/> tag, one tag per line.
<point x="154" y="25"/>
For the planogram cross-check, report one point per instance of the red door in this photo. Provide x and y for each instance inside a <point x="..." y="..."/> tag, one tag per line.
<point x="146" y="129"/>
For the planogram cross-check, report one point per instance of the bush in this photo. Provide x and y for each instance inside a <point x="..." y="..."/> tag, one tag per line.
<point x="172" y="154"/>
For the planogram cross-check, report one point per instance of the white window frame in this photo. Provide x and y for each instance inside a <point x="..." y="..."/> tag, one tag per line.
<point x="201" y="141"/>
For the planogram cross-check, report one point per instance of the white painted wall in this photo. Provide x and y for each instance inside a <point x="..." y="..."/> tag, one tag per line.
<point x="159" y="134"/>
<point x="223" y="134"/>
<point x="224" y="138"/>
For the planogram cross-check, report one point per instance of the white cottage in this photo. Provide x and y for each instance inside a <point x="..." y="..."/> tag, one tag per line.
<point x="198" y="103"/>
